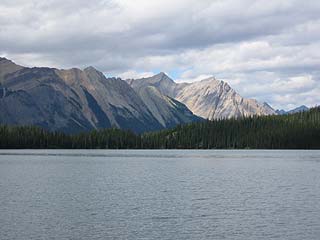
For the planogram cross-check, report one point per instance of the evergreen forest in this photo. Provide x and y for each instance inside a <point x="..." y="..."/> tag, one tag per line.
<point x="295" y="131"/>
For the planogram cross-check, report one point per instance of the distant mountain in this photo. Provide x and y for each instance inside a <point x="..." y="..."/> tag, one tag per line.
<point x="209" y="98"/>
<point x="77" y="100"/>
<point x="281" y="112"/>
<point x="70" y="100"/>
<point x="302" y="108"/>
<point x="157" y="93"/>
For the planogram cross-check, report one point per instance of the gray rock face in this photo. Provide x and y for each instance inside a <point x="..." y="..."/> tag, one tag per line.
<point x="109" y="98"/>
<point x="77" y="100"/>
<point x="157" y="92"/>
<point x="70" y="100"/>
<point x="7" y="67"/>
<point x="161" y="81"/>
<point x="37" y="96"/>
<point x="168" y="111"/>
<point x="209" y="98"/>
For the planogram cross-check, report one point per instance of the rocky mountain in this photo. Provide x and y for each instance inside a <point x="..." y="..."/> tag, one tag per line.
<point x="302" y="108"/>
<point x="168" y="111"/>
<point x="77" y="100"/>
<point x="161" y="82"/>
<point x="281" y="112"/>
<point x="209" y="98"/>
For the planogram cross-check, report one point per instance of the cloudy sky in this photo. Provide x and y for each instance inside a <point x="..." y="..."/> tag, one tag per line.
<point x="265" y="49"/>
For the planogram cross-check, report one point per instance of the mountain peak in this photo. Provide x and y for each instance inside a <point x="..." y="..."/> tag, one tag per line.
<point x="93" y="72"/>
<point x="161" y="77"/>
<point x="158" y="79"/>
<point x="162" y="74"/>
<point x="215" y="99"/>
<point x="211" y="83"/>
<point x="269" y="109"/>
<point x="302" y="108"/>
<point x="4" y="60"/>
<point x="7" y="66"/>
<point x="267" y="105"/>
<point x="90" y="69"/>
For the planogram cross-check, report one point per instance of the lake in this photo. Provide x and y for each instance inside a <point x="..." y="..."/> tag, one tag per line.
<point x="161" y="194"/>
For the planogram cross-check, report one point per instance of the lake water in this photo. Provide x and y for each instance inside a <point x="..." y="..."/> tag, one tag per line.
<point x="97" y="194"/>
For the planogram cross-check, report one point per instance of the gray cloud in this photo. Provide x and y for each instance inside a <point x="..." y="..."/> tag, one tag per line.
<point x="257" y="46"/>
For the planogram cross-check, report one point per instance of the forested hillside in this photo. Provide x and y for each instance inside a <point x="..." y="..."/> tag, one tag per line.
<point x="296" y="131"/>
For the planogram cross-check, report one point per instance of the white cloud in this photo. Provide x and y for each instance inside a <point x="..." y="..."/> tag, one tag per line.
<point x="264" y="49"/>
<point x="132" y="74"/>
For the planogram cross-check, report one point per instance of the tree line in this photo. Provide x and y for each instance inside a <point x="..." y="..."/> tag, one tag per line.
<point x="296" y="131"/>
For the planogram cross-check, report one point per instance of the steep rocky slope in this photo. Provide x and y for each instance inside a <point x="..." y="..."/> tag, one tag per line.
<point x="209" y="98"/>
<point x="168" y="111"/>
<point x="70" y="100"/>
<point x="77" y="100"/>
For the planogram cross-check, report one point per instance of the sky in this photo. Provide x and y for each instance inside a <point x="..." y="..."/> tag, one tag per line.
<point x="265" y="49"/>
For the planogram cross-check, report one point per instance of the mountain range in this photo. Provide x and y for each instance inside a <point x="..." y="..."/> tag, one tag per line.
<point x="210" y="98"/>
<point x="302" y="108"/>
<point x="76" y="100"/>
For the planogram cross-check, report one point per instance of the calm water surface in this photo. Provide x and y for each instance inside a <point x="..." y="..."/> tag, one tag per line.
<point x="61" y="194"/>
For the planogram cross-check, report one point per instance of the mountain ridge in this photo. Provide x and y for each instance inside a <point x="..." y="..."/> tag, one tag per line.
<point x="75" y="100"/>
<point x="208" y="98"/>
<point x="301" y="108"/>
